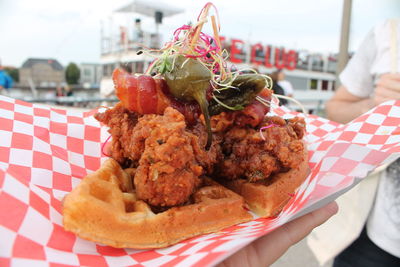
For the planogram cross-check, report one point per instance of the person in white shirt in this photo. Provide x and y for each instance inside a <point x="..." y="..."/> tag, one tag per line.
<point x="372" y="77"/>
<point x="137" y="32"/>
<point x="286" y="85"/>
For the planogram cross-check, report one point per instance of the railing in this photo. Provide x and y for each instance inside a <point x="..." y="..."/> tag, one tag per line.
<point x="69" y="99"/>
<point x="313" y="101"/>
<point x="114" y="45"/>
<point x="76" y="102"/>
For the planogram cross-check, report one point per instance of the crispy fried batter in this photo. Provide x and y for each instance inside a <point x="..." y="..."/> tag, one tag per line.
<point x="168" y="172"/>
<point x="248" y="156"/>
<point x="206" y="158"/>
<point x="169" y="157"/>
<point x="126" y="145"/>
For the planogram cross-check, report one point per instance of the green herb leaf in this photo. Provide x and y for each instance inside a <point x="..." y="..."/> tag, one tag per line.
<point x="165" y="65"/>
<point x="236" y="107"/>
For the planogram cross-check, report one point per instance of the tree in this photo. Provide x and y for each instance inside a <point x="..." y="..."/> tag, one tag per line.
<point x="13" y="72"/>
<point x="72" y="73"/>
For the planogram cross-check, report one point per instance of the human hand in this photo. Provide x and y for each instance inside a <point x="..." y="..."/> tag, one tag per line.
<point x="387" y="88"/>
<point x="267" y="249"/>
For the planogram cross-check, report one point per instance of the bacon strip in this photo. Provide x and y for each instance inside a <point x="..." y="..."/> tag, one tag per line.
<point x="147" y="95"/>
<point x="142" y="94"/>
<point x="254" y="113"/>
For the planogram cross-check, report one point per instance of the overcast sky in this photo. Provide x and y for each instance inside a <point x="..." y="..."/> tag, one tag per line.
<point x="69" y="30"/>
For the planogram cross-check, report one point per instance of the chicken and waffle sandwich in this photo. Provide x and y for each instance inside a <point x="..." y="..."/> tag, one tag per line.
<point x="191" y="151"/>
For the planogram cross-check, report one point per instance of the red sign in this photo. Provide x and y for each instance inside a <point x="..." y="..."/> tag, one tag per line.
<point x="274" y="57"/>
<point x="236" y="50"/>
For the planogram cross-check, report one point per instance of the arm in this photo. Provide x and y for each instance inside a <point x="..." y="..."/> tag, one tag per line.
<point x="267" y="249"/>
<point x="353" y="98"/>
<point x="344" y="106"/>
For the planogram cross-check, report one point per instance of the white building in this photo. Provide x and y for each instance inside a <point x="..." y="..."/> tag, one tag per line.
<point x="91" y="74"/>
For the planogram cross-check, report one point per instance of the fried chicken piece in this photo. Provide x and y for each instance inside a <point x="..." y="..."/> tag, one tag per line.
<point x="284" y="140"/>
<point x="173" y="159"/>
<point x="128" y="142"/>
<point x="169" y="156"/>
<point x="168" y="172"/>
<point x="121" y="123"/>
<point x="206" y="158"/>
<point x="248" y="155"/>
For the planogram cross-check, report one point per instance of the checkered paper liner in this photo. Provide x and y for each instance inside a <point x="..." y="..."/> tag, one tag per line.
<point x="45" y="152"/>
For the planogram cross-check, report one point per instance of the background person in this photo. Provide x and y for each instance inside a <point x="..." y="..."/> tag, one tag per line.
<point x="286" y="85"/>
<point x="371" y="77"/>
<point x="138" y="32"/>
<point x="276" y="88"/>
<point x="59" y="91"/>
<point x="6" y="81"/>
<point x="68" y="90"/>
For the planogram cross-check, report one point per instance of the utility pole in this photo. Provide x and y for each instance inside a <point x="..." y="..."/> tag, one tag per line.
<point x="344" y="39"/>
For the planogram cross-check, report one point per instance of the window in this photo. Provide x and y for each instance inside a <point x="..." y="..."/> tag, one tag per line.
<point x="299" y="83"/>
<point x="139" y="67"/>
<point x="87" y="72"/>
<point x="333" y="86"/>
<point x="313" y="84"/>
<point x="325" y="85"/>
<point x="106" y="70"/>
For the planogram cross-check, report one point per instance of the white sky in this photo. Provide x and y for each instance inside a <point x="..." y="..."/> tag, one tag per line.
<point x="69" y="30"/>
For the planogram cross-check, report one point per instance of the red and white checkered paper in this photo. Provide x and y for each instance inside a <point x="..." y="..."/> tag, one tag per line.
<point x="45" y="152"/>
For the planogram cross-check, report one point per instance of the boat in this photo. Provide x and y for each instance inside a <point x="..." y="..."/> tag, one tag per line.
<point x="311" y="74"/>
<point x="123" y="50"/>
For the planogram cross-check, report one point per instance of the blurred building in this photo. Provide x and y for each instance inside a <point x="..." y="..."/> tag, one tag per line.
<point x="91" y="74"/>
<point x="44" y="72"/>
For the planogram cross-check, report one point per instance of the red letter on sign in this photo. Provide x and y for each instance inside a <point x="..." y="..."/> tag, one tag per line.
<point x="267" y="62"/>
<point x="235" y="51"/>
<point x="254" y="49"/>
<point x="279" y="58"/>
<point x="291" y="60"/>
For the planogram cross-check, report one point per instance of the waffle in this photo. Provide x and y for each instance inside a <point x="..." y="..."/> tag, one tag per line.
<point x="104" y="208"/>
<point x="269" y="197"/>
